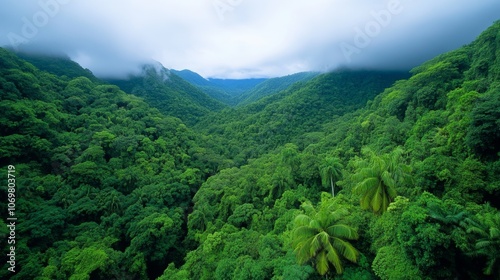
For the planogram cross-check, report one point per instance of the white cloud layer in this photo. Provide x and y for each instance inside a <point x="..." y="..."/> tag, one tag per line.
<point x="244" y="38"/>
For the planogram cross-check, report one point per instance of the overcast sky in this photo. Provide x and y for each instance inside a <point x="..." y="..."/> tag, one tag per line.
<point x="244" y="38"/>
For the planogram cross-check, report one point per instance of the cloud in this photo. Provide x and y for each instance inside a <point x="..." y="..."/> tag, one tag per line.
<point x="243" y="38"/>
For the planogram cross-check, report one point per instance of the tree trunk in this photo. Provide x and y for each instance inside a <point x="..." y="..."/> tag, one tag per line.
<point x="333" y="187"/>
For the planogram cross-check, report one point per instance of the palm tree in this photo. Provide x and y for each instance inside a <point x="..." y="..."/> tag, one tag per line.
<point x="488" y="241"/>
<point x="318" y="238"/>
<point x="376" y="180"/>
<point x="448" y="218"/>
<point x="330" y="171"/>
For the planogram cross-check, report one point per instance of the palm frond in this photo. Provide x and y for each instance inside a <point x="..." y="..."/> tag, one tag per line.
<point x="494" y="233"/>
<point x="366" y="185"/>
<point x="482" y="244"/>
<point x="304" y="232"/>
<point x="346" y="249"/>
<point x="308" y="208"/>
<point x="388" y="179"/>
<point x="315" y="245"/>
<point x="322" y="263"/>
<point x="490" y="266"/>
<point x="302" y="251"/>
<point x="376" y="201"/>
<point x="315" y="224"/>
<point x="302" y="220"/>
<point x="342" y="231"/>
<point x="336" y="214"/>
<point x="316" y="237"/>
<point x="334" y="258"/>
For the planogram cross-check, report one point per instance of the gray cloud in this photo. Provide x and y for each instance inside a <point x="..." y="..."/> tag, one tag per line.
<point x="245" y="38"/>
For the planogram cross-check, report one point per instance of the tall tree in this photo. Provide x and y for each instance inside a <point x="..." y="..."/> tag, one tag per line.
<point x="377" y="178"/>
<point x="330" y="171"/>
<point x="317" y="237"/>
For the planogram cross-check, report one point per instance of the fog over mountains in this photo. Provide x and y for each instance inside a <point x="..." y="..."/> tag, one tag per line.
<point x="244" y="39"/>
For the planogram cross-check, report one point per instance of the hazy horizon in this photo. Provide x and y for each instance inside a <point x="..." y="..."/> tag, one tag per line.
<point x="244" y="39"/>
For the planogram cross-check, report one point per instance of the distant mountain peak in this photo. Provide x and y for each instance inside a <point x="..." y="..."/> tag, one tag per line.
<point x="156" y="69"/>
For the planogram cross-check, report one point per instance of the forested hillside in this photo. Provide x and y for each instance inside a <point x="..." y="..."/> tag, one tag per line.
<point x="169" y="93"/>
<point x="412" y="182"/>
<point x="236" y="87"/>
<point x="272" y="86"/>
<point x="58" y="65"/>
<point x="227" y="91"/>
<point x="206" y="86"/>
<point x="242" y="92"/>
<point x="294" y="115"/>
<point x="104" y="181"/>
<point x="350" y="175"/>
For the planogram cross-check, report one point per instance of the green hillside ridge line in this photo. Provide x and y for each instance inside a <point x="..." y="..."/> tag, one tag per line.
<point x="169" y="93"/>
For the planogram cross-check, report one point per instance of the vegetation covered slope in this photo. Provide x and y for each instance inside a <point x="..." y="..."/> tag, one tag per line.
<point x="59" y="65"/>
<point x="240" y="92"/>
<point x="406" y="187"/>
<point x="227" y="91"/>
<point x="272" y="86"/>
<point x="169" y="93"/>
<point x="104" y="181"/>
<point x="205" y="85"/>
<point x="292" y="115"/>
<point x="236" y="87"/>
<point x="421" y="159"/>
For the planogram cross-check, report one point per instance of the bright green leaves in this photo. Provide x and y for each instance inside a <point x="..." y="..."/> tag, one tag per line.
<point x="232" y="253"/>
<point x="424" y="237"/>
<point x="391" y="263"/>
<point x="317" y="237"/>
<point x="377" y="178"/>
<point x="82" y="262"/>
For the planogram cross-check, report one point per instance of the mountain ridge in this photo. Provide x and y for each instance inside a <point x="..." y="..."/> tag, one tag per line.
<point x="169" y="93"/>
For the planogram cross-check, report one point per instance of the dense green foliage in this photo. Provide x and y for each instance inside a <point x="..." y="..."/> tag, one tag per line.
<point x="317" y="236"/>
<point x="206" y="86"/>
<point x="272" y="86"/>
<point x="169" y="93"/>
<point x="242" y="91"/>
<point x="59" y="65"/>
<point x="104" y="180"/>
<point x="296" y="115"/>
<point x="350" y="175"/>
<point x="236" y="87"/>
